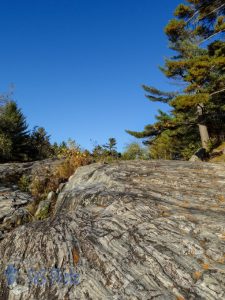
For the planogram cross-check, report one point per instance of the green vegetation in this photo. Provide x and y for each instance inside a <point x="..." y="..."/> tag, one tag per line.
<point x="197" y="113"/>
<point x="24" y="183"/>
<point x="40" y="146"/>
<point x="107" y="152"/>
<point x="44" y="211"/>
<point x="16" y="142"/>
<point x="14" y="138"/>
<point x="135" y="151"/>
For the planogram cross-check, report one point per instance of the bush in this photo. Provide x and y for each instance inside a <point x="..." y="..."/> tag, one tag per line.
<point x="170" y="146"/>
<point x="74" y="158"/>
<point x="135" y="151"/>
<point x="38" y="188"/>
<point x="24" y="183"/>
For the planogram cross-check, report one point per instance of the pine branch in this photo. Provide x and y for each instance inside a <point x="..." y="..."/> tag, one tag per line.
<point x="217" y="92"/>
<point x="211" y="36"/>
<point x="198" y="11"/>
<point x="216" y="9"/>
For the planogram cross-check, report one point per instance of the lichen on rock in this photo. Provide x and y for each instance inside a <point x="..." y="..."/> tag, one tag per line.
<point x="130" y="230"/>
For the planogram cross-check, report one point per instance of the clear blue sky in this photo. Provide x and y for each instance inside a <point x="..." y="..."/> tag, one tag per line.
<point x="78" y="65"/>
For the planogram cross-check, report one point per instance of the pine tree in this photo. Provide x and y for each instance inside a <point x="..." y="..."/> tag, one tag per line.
<point x="201" y="69"/>
<point x="110" y="148"/>
<point x="40" y="147"/>
<point x="111" y="145"/>
<point x="14" y="133"/>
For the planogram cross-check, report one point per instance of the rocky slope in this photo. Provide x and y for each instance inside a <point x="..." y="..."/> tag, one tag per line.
<point x="128" y="230"/>
<point x="14" y="202"/>
<point x="11" y="172"/>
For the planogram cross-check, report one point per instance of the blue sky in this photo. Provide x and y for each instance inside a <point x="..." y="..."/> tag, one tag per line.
<point x="77" y="66"/>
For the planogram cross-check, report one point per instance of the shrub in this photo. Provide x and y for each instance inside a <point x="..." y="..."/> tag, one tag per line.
<point x="24" y="183"/>
<point x="74" y="158"/>
<point x="38" y="188"/>
<point x="135" y="151"/>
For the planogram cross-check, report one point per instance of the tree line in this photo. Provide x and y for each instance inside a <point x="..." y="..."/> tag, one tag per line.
<point x="19" y="144"/>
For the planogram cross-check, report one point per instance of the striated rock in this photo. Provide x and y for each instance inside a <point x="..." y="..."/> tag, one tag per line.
<point x="13" y="201"/>
<point x="127" y="230"/>
<point x="60" y="188"/>
<point x="12" y="208"/>
<point x="11" y="172"/>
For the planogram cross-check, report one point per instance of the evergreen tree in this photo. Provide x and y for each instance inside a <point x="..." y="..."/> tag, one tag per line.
<point x="98" y="152"/>
<point x="110" y="148"/>
<point x="40" y="147"/>
<point x="111" y="145"/>
<point x="13" y="133"/>
<point x="107" y="151"/>
<point x="201" y="69"/>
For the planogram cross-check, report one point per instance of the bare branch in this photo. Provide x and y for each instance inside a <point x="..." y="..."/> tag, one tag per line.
<point x="217" y="92"/>
<point x="211" y="36"/>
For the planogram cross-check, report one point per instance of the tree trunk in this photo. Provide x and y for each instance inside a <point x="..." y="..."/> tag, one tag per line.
<point x="203" y="130"/>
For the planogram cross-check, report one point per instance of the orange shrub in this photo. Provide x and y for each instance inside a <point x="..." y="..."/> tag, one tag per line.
<point x="73" y="159"/>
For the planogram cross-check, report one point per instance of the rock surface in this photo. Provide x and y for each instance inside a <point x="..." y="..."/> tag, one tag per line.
<point x="128" y="230"/>
<point x="13" y="202"/>
<point x="12" y="208"/>
<point x="11" y="172"/>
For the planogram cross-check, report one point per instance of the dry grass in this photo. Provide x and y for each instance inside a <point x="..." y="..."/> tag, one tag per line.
<point x="73" y="160"/>
<point x="42" y="184"/>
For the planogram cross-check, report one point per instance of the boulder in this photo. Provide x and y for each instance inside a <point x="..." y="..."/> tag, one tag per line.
<point x="43" y="209"/>
<point x="127" y="230"/>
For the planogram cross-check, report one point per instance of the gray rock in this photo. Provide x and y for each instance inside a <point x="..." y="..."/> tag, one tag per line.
<point x="51" y="196"/>
<point x="60" y="188"/>
<point x="195" y="158"/>
<point x="131" y="230"/>
<point x="11" y="172"/>
<point x="12" y="207"/>
<point x="43" y="209"/>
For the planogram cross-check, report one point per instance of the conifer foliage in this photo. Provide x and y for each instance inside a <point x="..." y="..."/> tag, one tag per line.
<point x="16" y="141"/>
<point x="13" y="133"/>
<point x="196" y="34"/>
